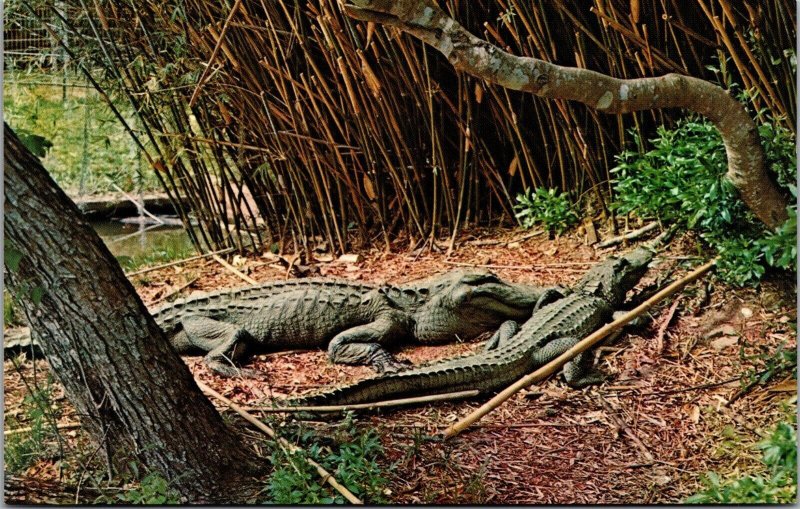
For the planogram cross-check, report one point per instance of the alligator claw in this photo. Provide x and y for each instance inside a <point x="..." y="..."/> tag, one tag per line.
<point x="594" y="377"/>
<point x="253" y="374"/>
<point x="392" y="365"/>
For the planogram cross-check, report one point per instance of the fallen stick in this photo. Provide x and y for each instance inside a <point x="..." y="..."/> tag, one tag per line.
<point x="134" y="234"/>
<point x="179" y="262"/>
<point x="379" y="404"/>
<point x="174" y="291"/>
<point x="68" y="425"/>
<point x="635" y="234"/>
<point x="519" y="267"/>
<point x="235" y="271"/>
<point x="662" y="330"/>
<point x="139" y="206"/>
<point x="326" y="476"/>
<point x="586" y="343"/>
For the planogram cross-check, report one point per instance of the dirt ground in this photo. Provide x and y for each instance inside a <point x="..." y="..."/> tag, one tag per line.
<point x="671" y="411"/>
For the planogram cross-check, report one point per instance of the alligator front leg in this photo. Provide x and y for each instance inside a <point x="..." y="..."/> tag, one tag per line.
<point x="577" y="372"/>
<point x="361" y="345"/>
<point x="549" y="296"/>
<point x="506" y="331"/>
<point x="225" y="343"/>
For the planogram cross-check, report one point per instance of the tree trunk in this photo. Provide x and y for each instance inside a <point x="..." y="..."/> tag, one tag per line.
<point x="133" y="393"/>
<point x="746" y="161"/>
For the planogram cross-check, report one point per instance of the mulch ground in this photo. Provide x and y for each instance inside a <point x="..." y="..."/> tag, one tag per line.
<point x="670" y="412"/>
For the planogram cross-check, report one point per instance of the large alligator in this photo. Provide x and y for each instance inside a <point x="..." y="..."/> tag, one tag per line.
<point x="354" y="320"/>
<point x="513" y="351"/>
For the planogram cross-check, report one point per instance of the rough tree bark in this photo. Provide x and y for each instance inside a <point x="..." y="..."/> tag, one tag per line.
<point x="746" y="162"/>
<point x="133" y="393"/>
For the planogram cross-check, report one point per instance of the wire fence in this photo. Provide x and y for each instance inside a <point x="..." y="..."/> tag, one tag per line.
<point x="50" y="103"/>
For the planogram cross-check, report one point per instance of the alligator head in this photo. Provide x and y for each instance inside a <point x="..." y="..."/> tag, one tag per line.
<point x="612" y="278"/>
<point x="474" y="302"/>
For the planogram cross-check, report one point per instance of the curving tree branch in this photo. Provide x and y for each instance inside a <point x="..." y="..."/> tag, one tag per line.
<point x="746" y="161"/>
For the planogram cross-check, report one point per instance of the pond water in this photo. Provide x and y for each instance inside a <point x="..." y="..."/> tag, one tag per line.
<point x="138" y="244"/>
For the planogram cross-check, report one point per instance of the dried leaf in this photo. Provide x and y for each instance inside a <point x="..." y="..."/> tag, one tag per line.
<point x="724" y="342"/>
<point x="694" y="414"/>
<point x="478" y="93"/>
<point x="369" y="189"/>
<point x="512" y="168"/>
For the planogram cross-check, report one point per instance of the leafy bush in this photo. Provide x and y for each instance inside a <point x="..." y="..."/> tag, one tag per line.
<point x="780" y="487"/>
<point x="547" y="207"/>
<point x="681" y="180"/>
<point x="152" y="489"/>
<point x="22" y="450"/>
<point x="353" y="464"/>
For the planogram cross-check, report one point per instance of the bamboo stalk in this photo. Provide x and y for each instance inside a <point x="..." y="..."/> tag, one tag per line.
<point x="586" y="343"/>
<point x="324" y="474"/>
<point x="214" y="53"/>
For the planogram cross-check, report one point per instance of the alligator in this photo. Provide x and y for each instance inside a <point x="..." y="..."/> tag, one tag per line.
<point x="354" y="320"/>
<point x="513" y="351"/>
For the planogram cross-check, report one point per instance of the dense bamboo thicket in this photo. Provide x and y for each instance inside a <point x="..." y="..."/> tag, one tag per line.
<point x="287" y="122"/>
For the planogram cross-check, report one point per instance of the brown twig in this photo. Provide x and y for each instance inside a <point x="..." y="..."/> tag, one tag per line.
<point x="28" y="429"/>
<point x="631" y="235"/>
<point x="241" y="275"/>
<point x="662" y="329"/>
<point x="175" y="291"/>
<point x="179" y="262"/>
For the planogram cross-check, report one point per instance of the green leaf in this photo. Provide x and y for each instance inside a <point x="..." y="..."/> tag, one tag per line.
<point x="36" y="294"/>
<point x="12" y="257"/>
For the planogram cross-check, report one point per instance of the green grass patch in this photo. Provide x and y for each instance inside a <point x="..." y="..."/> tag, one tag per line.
<point x="81" y="142"/>
<point x="21" y="450"/>
<point x="162" y="247"/>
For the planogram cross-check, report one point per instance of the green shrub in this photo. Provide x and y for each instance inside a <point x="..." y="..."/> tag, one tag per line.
<point x="22" y="450"/>
<point x="547" y="207"/>
<point x="352" y="462"/>
<point x="778" y="487"/>
<point x="681" y="180"/>
<point x="152" y="489"/>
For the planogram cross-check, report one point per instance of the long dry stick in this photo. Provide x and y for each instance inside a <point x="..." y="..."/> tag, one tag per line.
<point x="179" y="262"/>
<point x="635" y="234"/>
<point x="235" y="271"/>
<point x="326" y="476"/>
<point x="139" y="206"/>
<point x="67" y="425"/>
<point x="379" y="404"/>
<point x="586" y="343"/>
